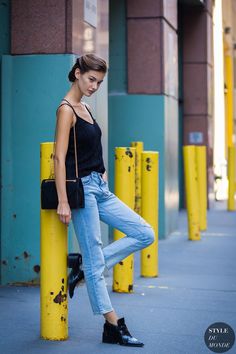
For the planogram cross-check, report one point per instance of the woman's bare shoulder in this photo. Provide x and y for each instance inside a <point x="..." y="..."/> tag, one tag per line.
<point x="64" y="107"/>
<point x="65" y="113"/>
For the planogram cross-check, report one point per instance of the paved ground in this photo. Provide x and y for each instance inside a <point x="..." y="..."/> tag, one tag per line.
<point x="196" y="287"/>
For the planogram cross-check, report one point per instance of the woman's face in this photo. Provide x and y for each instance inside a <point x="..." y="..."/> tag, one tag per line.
<point x="89" y="82"/>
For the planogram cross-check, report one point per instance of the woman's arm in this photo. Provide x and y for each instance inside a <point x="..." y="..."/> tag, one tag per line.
<point x="64" y="123"/>
<point x="104" y="176"/>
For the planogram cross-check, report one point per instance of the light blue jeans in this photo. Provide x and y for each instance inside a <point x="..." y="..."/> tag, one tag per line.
<point x="101" y="204"/>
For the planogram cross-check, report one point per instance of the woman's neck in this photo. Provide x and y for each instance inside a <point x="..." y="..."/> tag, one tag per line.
<point x="74" y="95"/>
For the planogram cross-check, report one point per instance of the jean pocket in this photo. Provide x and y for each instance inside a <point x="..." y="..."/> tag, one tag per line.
<point x="85" y="180"/>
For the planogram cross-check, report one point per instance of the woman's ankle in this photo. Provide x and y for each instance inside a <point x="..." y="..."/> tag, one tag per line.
<point x="111" y="317"/>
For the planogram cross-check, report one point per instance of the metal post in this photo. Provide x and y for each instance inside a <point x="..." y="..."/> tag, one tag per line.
<point x="229" y="75"/>
<point x="125" y="190"/>
<point x="231" y="177"/>
<point x="149" y="255"/>
<point x="202" y="184"/>
<point x="191" y="192"/>
<point x="53" y="282"/>
<point x="138" y="168"/>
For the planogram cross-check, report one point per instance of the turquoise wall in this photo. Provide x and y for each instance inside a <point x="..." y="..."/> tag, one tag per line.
<point x="32" y="87"/>
<point x="181" y="113"/>
<point x="152" y="119"/>
<point x="4" y="49"/>
<point x="117" y="79"/>
<point x="5" y="27"/>
<point x="138" y="118"/>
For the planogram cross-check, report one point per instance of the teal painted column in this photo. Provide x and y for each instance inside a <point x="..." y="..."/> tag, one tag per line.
<point x="181" y="108"/>
<point x="43" y="36"/>
<point x="33" y="87"/>
<point x="4" y="49"/>
<point x="128" y="122"/>
<point x="143" y="102"/>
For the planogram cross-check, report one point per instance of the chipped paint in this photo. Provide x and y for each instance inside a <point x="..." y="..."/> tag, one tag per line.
<point x="129" y="153"/>
<point x="130" y="288"/>
<point x="26" y="255"/>
<point x="59" y="298"/>
<point x="36" y="268"/>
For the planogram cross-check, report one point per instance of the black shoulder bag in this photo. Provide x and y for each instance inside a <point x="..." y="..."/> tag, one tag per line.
<point x="74" y="189"/>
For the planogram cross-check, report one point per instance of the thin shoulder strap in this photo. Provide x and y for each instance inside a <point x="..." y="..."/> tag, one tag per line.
<point x="90" y="113"/>
<point x="75" y="146"/>
<point x="69" y="104"/>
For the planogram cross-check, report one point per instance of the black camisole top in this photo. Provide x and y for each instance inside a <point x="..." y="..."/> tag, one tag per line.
<point x="89" y="147"/>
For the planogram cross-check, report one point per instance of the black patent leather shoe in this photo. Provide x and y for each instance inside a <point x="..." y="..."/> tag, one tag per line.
<point x="76" y="274"/>
<point x="119" y="334"/>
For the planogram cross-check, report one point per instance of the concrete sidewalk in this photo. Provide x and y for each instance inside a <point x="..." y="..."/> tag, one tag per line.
<point x="196" y="287"/>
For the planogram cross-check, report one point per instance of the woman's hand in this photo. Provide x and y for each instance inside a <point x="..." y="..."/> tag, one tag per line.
<point x="64" y="212"/>
<point x="104" y="176"/>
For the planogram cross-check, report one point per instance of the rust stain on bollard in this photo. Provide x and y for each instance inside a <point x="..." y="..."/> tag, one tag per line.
<point x="59" y="298"/>
<point x="129" y="153"/>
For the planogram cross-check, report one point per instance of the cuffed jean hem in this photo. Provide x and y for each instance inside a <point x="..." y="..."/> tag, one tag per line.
<point x="103" y="312"/>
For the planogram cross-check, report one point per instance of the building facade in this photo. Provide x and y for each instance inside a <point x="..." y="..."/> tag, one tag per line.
<point x="159" y="90"/>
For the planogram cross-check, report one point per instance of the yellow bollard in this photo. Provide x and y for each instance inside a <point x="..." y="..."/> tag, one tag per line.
<point x="202" y="184"/>
<point x="191" y="192"/>
<point x="149" y="255"/>
<point x="138" y="168"/>
<point x="229" y="77"/>
<point x="231" y="177"/>
<point x="53" y="282"/>
<point x="125" y="190"/>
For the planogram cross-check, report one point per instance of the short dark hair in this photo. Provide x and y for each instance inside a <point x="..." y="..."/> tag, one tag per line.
<point x="86" y="63"/>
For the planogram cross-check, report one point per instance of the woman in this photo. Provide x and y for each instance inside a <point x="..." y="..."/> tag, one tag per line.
<point x="100" y="204"/>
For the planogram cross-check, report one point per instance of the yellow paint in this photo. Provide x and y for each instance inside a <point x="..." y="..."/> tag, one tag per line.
<point x="53" y="282"/>
<point x="138" y="168"/>
<point x="191" y="192"/>
<point x="202" y="184"/>
<point x="229" y="99"/>
<point x="231" y="177"/>
<point x="125" y="190"/>
<point x="149" y="255"/>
